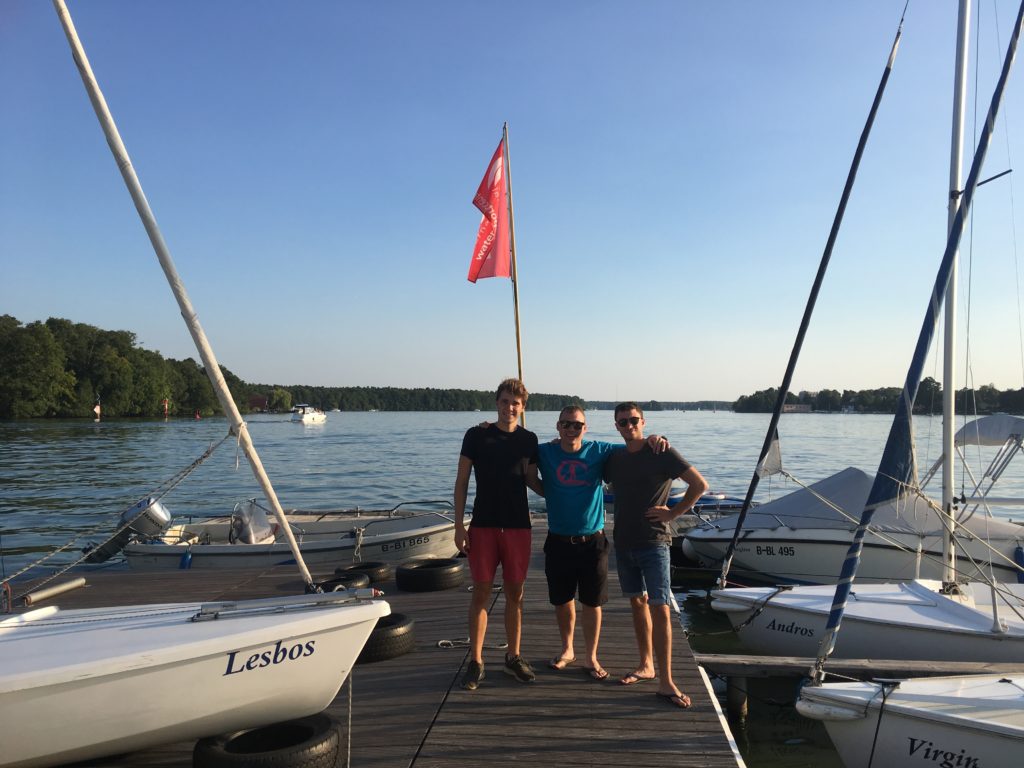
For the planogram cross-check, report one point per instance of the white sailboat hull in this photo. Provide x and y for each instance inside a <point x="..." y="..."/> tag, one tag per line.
<point x="324" y="540"/>
<point x="83" y="684"/>
<point x="909" y="620"/>
<point x="964" y="721"/>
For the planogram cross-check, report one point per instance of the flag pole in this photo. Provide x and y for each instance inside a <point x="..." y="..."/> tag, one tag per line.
<point x="512" y="243"/>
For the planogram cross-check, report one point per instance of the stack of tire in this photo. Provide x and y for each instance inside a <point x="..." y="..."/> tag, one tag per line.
<point x="430" y="574"/>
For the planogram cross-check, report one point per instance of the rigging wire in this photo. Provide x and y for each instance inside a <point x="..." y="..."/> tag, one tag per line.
<point x="1013" y="214"/>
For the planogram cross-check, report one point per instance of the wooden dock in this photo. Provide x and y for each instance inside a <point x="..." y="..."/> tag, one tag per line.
<point x="411" y="711"/>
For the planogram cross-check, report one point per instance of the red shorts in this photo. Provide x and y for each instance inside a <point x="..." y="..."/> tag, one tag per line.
<point x="489" y="546"/>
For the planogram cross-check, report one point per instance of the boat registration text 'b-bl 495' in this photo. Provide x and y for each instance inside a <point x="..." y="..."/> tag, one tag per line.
<point x="771" y="550"/>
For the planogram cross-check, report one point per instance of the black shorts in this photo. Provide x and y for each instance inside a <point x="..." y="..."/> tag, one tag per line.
<point x="581" y="566"/>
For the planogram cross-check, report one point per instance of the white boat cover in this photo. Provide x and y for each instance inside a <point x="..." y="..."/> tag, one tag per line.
<point x="847" y="491"/>
<point x="990" y="430"/>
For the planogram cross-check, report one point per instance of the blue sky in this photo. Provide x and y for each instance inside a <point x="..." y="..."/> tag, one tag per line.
<point x="675" y="165"/>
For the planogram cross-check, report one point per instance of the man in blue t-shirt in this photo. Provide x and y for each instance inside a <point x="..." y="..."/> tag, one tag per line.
<point x="576" y="549"/>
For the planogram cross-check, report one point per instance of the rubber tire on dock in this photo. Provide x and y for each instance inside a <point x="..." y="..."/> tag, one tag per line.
<point x="430" y="574"/>
<point x="309" y="742"/>
<point x="377" y="571"/>
<point x="392" y="637"/>
<point x="352" y="580"/>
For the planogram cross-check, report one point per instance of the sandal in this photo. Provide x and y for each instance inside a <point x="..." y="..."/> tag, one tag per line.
<point x="678" y="700"/>
<point x="596" y="673"/>
<point x="635" y="677"/>
<point x="559" y="663"/>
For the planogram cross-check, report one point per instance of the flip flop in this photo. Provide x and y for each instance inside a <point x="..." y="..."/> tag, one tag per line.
<point x="559" y="663"/>
<point x="678" y="700"/>
<point x="596" y="673"/>
<point x="633" y="678"/>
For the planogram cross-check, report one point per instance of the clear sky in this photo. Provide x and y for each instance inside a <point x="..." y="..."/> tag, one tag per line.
<point x="676" y="166"/>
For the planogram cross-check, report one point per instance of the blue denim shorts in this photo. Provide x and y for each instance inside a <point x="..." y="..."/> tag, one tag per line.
<point x="646" y="569"/>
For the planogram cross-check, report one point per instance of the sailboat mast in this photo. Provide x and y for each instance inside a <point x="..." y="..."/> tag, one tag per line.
<point x="772" y="436"/>
<point x="956" y="156"/>
<point x="131" y="180"/>
<point x="896" y="471"/>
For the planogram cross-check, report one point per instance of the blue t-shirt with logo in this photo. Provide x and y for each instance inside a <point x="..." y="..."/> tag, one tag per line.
<point x="573" y="489"/>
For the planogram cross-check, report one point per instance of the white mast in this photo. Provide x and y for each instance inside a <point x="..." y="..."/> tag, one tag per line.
<point x="220" y="387"/>
<point x="949" y="350"/>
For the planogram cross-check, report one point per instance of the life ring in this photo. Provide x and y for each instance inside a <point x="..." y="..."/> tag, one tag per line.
<point x="378" y="571"/>
<point x="349" y="580"/>
<point x="308" y="742"/>
<point x="393" y="636"/>
<point x="430" y="574"/>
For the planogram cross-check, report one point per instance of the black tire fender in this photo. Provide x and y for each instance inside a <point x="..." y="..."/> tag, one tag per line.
<point x="351" y="580"/>
<point x="430" y="574"/>
<point x="308" y="742"/>
<point x="378" y="571"/>
<point x="392" y="637"/>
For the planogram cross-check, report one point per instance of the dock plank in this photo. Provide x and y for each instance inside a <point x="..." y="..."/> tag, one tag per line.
<point x="411" y="711"/>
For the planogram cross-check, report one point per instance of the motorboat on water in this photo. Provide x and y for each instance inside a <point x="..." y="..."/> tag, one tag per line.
<point x="81" y="684"/>
<point x="250" y="538"/>
<point x="304" y="413"/>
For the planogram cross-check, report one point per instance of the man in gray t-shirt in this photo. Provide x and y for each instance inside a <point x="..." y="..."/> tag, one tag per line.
<point x="641" y="481"/>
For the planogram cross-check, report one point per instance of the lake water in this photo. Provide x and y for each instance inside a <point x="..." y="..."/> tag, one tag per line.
<point x="65" y="479"/>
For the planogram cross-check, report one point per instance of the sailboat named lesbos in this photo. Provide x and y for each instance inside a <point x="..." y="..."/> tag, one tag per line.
<point x="83" y="684"/>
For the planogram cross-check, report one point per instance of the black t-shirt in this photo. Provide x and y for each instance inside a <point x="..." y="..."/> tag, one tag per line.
<point x="642" y="480"/>
<point x="499" y="465"/>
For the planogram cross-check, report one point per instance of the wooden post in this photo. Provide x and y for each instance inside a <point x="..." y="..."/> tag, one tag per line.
<point x="736" y="697"/>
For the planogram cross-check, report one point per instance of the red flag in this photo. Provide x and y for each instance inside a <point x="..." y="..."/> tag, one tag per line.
<point x="491" y="254"/>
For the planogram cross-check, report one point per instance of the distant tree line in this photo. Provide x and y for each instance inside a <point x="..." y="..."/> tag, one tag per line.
<point x="59" y="368"/>
<point x="663" y="405"/>
<point x="417" y="399"/>
<point x="983" y="400"/>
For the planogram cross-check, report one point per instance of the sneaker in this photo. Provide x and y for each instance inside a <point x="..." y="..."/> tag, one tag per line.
<point x="474" y="674"/>
<point x="519" y="668"/>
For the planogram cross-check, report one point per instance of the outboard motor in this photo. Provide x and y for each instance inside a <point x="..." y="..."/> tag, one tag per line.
<point x="147" y="518"/>
<point x="249" y="524"/>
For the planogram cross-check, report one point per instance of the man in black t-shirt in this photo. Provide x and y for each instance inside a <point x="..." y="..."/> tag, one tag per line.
<point x="503" y="458"/>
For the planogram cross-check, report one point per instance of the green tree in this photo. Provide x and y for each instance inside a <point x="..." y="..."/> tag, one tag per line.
<point x="33" y="381"/>
<point x="280" y="400"/>
<point x="828" y="400"/>
<point x="929" y="397"/>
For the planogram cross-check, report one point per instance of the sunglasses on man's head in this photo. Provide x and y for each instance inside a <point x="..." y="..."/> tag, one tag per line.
<point x="572" y="424"/>
<point x="628" y="421"/>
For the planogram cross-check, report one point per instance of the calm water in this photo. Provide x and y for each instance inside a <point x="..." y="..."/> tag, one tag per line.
<point x="60" y="479"/>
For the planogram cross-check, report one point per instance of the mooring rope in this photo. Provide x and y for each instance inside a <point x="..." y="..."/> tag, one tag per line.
<point x="451" y="685"/>
<point x="761" y="605"/>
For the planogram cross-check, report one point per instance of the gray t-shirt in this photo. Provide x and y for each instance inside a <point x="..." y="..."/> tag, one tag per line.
<point x="641" y="480"/>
